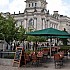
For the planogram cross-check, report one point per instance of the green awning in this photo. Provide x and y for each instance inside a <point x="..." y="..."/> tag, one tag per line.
<point x="49" y="32"/>
<point x="58" y="37"/>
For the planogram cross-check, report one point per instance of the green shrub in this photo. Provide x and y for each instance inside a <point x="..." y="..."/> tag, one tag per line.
<point x="10" y="56"/>
<point x="65" y="47"/>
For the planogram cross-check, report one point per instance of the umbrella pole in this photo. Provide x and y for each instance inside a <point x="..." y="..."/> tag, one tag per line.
<point x="50" y="51"/>
<point x="50" y="46"/>
<point x="36" y="47"/>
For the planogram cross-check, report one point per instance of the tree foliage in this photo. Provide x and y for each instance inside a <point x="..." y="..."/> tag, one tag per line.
<point x="8" y="31"/>
<point x="36" y="38"/>
<point x="20" y="33"/>
<point x="64" y="40"/>
<point x="7" y="27"/>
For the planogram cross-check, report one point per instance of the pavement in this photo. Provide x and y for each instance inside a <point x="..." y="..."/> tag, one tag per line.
<point x="51" y="67"/>
<point x="46" y="66"/>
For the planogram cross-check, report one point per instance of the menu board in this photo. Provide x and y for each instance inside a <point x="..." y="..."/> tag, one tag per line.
<point x="18" y="55"/>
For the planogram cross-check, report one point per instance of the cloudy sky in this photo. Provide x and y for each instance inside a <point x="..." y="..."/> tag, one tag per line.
<point x="63" y="6"/>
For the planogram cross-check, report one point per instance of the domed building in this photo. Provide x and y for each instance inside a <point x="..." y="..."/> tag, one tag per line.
<point x="37" y="17"/>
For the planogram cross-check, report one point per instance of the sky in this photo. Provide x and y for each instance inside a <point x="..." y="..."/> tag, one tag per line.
<point x="63" y="6"/>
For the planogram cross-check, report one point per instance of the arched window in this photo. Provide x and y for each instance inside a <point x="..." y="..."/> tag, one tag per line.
<point x="32" y="4"/>
<point x="31" y="23"/>
<point x="29" y="5"/>
<point x="35" y="4"/>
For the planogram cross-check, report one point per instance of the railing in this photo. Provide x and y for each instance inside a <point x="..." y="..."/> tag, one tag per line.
<point x="9" y="55"/>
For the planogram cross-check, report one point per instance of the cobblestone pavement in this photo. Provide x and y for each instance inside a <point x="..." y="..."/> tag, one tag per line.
<point x="37" y="68"/>
<point x="46" y="66"/>
<point x="49" y="66"/>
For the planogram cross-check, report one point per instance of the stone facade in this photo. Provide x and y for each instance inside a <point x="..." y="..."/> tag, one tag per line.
<point x="37" y="17"/>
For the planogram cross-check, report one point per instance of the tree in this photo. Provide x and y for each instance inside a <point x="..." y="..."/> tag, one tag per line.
<point x="36" y="38"/>
<point x="64" y="40"/>
<point x="20" y="34"/>
<point x="7" y="27"/>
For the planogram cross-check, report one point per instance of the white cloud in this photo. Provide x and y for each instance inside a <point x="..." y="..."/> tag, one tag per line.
<point x="59" y="5"/>
<point x="4" y="5"/>
<point x="4" y="2"/>
<point x="56" y="5"/>
<point x="19" y="5"/>
<point x="16" y="6"/>
<point x="67" y="9"/>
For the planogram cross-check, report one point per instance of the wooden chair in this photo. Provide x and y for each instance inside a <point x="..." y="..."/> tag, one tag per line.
<point x="40" y="56"/>
<point x="45" y="54"/>
<point x="45" y="51"/>
<point x="34" y="58"/>
<point x="26" y="58"/>
<point x="58" y="61"/>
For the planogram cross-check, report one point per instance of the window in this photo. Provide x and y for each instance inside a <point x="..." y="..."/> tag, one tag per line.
<point x="35" y="4"/>
<point x="31" y="23"/>
<point x="32" y="4"/>
<point x="29" y="5"/>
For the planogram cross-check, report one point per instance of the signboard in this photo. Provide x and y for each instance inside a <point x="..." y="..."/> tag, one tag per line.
<point x="18" y="56"/>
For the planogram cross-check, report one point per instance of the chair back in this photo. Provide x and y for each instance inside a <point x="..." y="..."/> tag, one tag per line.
<point x="56" y="57"/>
<point x="40" y="54"/>
<point x="26" y="57"/>
<point x="34" y="56"/>
<point x="45" y="51"/>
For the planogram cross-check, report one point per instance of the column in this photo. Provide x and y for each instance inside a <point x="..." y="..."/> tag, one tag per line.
<point x="35" y="23"/>
<point x="43" y="23"/>
<point x="26" y="24"/>
<point x="21" y="22"/>
<point x="47" y="25"/>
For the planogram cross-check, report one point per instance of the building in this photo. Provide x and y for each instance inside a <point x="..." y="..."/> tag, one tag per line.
<point x="37" y="17"/>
